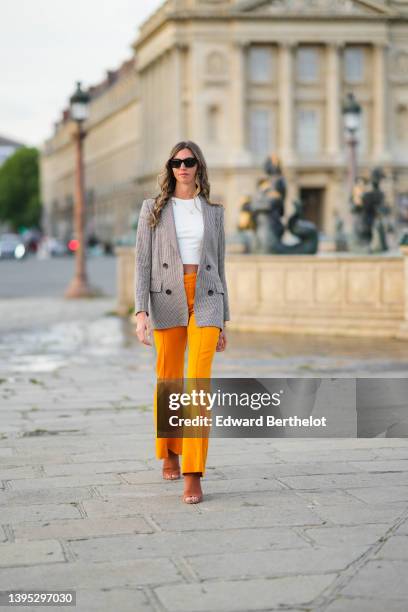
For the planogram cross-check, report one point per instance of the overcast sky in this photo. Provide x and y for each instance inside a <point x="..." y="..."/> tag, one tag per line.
<point x="47" y="45"/>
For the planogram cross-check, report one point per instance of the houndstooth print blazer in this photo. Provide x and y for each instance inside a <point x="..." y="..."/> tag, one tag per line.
<point x="159" y="276"/>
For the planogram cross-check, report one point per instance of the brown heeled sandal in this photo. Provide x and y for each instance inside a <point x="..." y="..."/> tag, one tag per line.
<point x="192" y="499"/>
<point x="170" y="473"/>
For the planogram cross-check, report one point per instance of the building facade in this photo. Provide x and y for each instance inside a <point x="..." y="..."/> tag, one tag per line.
<point x="111" y="152"/>
<point x="248" y="78"/>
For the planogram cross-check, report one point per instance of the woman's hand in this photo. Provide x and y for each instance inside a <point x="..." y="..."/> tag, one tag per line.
<point x="222" y="341"/>
<point x="143" y="328"/>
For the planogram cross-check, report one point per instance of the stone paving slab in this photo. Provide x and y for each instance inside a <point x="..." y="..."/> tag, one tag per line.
<point x="201" y="544"/>
<point x="25" y="472"/>
<point x="348" y="481"/>
<point x="43" y="512"/>
<point x="382" y="578"/>
<point x="347" y="514"/>
<point x="14" y="460"/>
<point x="124" y="600"/>
<point x="94" y="467"/>
<point x="350" y="535"/>
<point x="330" y="497"/>
<point x="394" y="548"/>
<point x="385" y="494"/>
<point x="80" y="528"/>
<point x="242" y="595"/>
<point x="357" y="604"/>
<point x="382" y="466"/>
<point x="11" y="497"/>
<point x="130" y="573"/>
<point x="402" y="529"/>
<point x="127" y="453"/>
<point x="31" y="553"/>
<point x="26" y="484"/>
<point x="249" y="516"/>
<point x="272" y="563"/>
<point x="3" y="536"/>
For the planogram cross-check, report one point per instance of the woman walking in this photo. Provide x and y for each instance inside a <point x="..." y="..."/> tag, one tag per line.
<point x="181" y="292"/>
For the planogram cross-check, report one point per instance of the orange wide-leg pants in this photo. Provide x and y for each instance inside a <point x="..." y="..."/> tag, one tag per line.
<point x="170" y="346"/>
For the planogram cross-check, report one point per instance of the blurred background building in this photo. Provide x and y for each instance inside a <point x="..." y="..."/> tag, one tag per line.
<point x="242" y="79"/>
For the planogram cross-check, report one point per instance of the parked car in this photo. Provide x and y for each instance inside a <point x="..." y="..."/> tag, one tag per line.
<point x="11" y="246"/>
<point x="93" y="246"/>
<point x="126" y="239"/>
<point x="51" y="247"/>
<point x="31" y="238"/>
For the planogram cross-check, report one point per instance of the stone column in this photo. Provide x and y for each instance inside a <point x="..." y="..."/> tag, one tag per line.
<point x="179" y="129"/>
<point x="144" y="123"/>
<point x="286" y="101"/>
<point x="151" y="112"/>
<point x="238" y="79"/>
<point x="379" y="126"/>
<point x="196" y="86"/>
<point x="333" y="110"/>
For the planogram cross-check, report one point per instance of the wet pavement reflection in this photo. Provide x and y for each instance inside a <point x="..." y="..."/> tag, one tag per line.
<point x="247" y="354"/>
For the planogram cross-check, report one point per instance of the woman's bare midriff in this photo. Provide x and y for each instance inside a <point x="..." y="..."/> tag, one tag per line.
<point x="188" y="268"/>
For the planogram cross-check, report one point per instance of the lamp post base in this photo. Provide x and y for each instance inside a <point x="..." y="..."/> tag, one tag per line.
<point x="79" y="288"/>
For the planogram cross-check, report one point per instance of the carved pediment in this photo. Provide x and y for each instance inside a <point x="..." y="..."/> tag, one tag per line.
<point x="317" y="7"/>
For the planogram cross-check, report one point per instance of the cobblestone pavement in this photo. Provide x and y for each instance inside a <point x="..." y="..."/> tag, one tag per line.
<point x="285" y="524"/>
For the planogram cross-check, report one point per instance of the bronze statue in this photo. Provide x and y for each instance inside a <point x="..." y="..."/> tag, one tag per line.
<point x="246" y="225"/>
<point x="268" y="206"/>
<point x="368" y="208"/>
<point x="340" y="237"/>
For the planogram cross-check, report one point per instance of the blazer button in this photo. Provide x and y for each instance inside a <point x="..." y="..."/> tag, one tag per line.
<point x="208" y="267"/>
<point x="165" y="265"/>
<point x="210" y="292"/>
<point x="168" y="291"/>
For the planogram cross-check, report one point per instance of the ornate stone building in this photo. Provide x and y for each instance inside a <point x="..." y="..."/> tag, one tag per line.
<point x="247" y="78"/>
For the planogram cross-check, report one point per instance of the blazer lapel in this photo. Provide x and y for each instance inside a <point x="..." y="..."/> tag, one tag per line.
<point x="169" y="225"/>
<point x="206" y="220"/>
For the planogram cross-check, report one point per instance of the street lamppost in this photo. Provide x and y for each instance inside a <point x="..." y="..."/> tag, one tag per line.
<point x="351" y="116"/>
<point x="79" y="110"/>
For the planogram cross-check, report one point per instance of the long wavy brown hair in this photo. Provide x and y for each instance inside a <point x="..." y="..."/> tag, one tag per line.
<point x="167" y="180"/>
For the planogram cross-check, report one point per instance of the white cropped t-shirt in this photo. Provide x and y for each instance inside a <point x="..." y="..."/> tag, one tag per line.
<point x="188" y="218"/>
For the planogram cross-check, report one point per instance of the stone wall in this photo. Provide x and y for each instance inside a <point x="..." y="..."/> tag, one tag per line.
<point x="337" y="294"/>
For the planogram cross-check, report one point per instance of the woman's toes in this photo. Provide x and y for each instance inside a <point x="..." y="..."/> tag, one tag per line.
<point x="192" y="499"/>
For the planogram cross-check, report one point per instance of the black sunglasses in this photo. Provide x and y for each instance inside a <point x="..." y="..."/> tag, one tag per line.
<point x="189" y="162"/>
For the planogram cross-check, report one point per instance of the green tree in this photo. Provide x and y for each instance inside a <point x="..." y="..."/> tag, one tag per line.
<point x="20" y="189"/>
